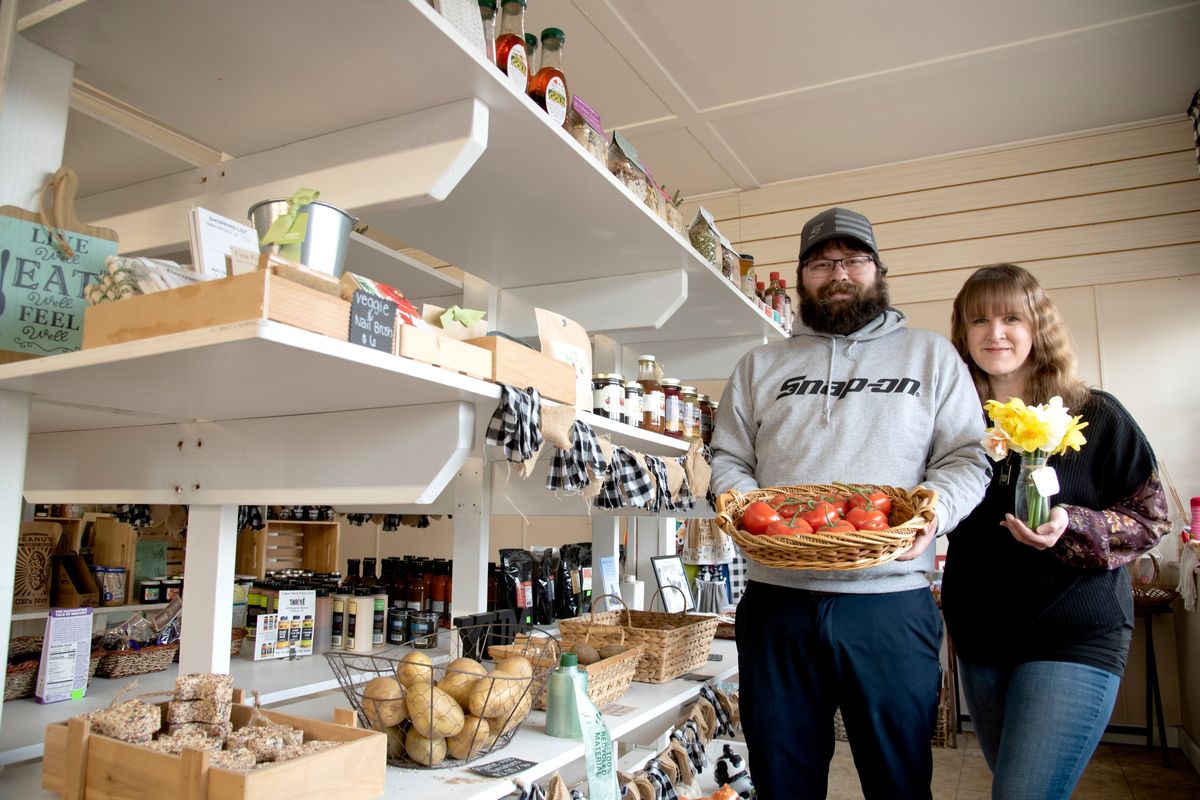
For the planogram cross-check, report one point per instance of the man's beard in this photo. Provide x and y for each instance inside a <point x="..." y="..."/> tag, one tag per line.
<point x="842" y="317"/>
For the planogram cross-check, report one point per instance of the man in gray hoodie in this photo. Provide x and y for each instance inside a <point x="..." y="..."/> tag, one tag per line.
<point x="853" y="396"/>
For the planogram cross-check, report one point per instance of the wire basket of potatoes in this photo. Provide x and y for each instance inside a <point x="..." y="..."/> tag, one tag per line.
<point x="444" y="709"/>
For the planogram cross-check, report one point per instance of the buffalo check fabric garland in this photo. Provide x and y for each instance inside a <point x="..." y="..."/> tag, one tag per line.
<point x="516" y="424"/>
<point x="569" y="468"/>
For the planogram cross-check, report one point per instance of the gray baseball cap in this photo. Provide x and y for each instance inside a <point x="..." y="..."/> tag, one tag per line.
<point x="837" y="223"/>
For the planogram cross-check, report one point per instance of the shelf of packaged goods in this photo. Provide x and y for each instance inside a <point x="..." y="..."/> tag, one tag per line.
<point x="475" y="143"/>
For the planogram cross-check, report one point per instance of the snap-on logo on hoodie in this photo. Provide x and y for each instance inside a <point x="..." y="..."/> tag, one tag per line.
<point x="839" y="389"/>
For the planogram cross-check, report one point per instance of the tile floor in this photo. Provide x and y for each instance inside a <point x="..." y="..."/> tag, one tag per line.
<point x="1116" y="772"/>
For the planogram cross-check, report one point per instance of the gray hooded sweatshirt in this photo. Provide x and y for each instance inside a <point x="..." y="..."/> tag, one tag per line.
<point x="887" y="404"/>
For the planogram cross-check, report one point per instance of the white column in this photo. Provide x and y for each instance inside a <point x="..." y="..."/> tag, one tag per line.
<point x="14" y="438"/>
<point x="35" y="94"/>
<point x="208" y="587"/>
<point x="472" y="513"/>
<point x="606" y="542"/>
<point x="655" y="537"/>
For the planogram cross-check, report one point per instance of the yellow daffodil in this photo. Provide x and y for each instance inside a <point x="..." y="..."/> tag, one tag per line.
<point x="1048" y="427"/>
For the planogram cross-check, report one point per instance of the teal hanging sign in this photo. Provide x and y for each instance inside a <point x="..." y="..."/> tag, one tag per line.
<point x="44" y="267"/>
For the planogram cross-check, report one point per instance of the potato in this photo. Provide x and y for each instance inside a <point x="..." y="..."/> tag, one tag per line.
<point x="433" y="712"/>
<point x="383" y="702"/>
<point x="610" y="650"/>
<point x="497" y="694"/>
<point x="461" y="674"/>
<point x="395" y="742"/>
<point x="415" y="666"/>
<point x="515" y="665"/>
<point x="468" y="742"/>
<point x="587" y="654"/>
<point x="502" y="724"/>
<point x="424" y="750"/>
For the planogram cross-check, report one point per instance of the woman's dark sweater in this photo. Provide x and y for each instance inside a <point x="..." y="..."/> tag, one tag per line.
<point x="1006" y="602"/>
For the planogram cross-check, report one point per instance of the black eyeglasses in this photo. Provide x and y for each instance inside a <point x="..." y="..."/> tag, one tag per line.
<point x="855" y="266"/>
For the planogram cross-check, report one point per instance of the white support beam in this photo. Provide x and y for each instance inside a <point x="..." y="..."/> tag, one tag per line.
<point x="600" y="304"/>
<point x="606" y="541"/>
<point x="14" y="439"/>
<point x="208" y="576"/>
<point x="472" y="510"/>
<point x="309" y="459"/>
<point x="396" y="163"/>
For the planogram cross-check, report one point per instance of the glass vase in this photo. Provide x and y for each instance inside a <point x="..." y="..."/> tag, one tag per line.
<point x="1032" y="506"/>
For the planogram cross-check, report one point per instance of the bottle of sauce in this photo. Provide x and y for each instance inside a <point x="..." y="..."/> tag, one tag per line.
<point x="672" y="408"/>
<point x="510" y="44"/>
<point x="787" y="307"/>
<point x="775" y="294"/>
<point x="531" y="52"/>
<point x="652" y="394"/>
<point x="446" y="615"/>
<point x="352" y="578"/>
<point x="549" y="86"/>
<point x="437" y="590"/>
<point x="706" y="418"/>
<point x="487" y="12"/>
<point x="416" y="596"/>
<point x="493" y="585"/>
<point x="369" y="579"/>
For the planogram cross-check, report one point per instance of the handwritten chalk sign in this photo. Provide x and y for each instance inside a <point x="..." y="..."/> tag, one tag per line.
<point x="503" y="767"/>
<point x="41" y="290"/>
<point x="372" y="321"/>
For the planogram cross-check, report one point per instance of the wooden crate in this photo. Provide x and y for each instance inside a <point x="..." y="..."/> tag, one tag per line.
<point x="257" y="295"/>
<point x="287" y="544"/>
<point x="84" y="766"/>
<point x="517" y="365"/>
<point x="434" y="348"/>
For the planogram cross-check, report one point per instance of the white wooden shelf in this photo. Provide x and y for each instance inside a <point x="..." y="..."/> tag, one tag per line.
<point x="97" y="611"/>
<point x="411" y="73"/>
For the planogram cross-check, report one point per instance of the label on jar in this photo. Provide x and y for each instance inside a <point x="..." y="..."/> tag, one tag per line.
<point x="633" y="410"/>
<point x="598" y="399"/>
<point x="673" y="416"/>
<point x="556" y="100"/>
<point x="610" y="400"/>
<point x="517" y="68"/>
<point x="652" y="403"/>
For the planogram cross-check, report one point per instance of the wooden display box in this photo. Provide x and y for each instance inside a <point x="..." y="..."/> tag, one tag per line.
<point x="82" y="766"/>
<point x="72" y="584"/>
<point x="114" y="544"/>
<point x="256" y="295"/>
<point x="443" y="351"/>
<point x="517" y="365"/>
<point x="287" y="544"/>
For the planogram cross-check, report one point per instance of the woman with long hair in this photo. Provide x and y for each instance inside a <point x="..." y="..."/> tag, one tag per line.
<point x="1042" y="619"/>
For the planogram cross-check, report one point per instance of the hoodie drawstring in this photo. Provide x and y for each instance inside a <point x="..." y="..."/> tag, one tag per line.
<point x="829" y="378"/>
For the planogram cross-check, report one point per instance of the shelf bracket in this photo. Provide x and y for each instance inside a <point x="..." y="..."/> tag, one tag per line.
<point x="396" y="163"/>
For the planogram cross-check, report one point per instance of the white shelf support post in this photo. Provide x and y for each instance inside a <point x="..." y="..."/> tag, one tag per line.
<point x="208" y="580"/>
<point x="472" y="510"/>
<point x="14" y="439"/>
<point x="655" y="537"/>
<point x="606" y="541"/>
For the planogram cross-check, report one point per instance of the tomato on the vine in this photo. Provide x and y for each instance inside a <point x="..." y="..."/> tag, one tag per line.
<point x="838" y="526"/>
<point x="842" y="504"/>
<point x="757" y="517"/>
<point x="818" y="513"/>
<point x="780" y="528"/>
<point x="877" y="500"/>
<point x="784" y="505"/>
<point x="867" y="519"/>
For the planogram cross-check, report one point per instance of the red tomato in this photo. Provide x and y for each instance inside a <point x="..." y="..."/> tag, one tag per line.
<point x="785" y="506"/>
<point x="757" y="517"/>
<point x="839" y="526"/>
<point x="800" y="526"/>
<point x="877" y="500"/>
<point x="780" y="528"/>
<point x="818" y="514"/>
<point x="867" y="519"/>
<point x="842" y="504"/>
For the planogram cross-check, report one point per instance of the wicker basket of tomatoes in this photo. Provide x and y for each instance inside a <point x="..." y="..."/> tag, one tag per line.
<point x="825" y="526"/>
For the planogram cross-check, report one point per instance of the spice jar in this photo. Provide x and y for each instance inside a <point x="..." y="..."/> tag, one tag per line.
<point x="706" y="418"/>
<point x="652" y="394"/>
<point x="632" y="412"/>
<point x="689" y="413"/>
<point x="672" y="408"/>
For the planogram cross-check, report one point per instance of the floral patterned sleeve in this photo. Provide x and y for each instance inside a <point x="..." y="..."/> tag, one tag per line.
<point x="1117" y="535"/>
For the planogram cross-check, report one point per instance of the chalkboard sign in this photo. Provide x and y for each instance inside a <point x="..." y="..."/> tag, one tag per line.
<point x="372" y="321"/>
<point x="41" y="284"/>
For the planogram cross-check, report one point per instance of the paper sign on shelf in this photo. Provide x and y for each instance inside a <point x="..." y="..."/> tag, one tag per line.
<point x="288" y="633"/>
<point x="66" y="650"/>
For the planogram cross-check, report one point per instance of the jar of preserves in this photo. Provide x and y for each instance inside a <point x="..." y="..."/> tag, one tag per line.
<point x="653" y="405"/>
<point x="706" y="417"/>
<point x="689" y="415"/>
<point x="632" y="413"/>
<point x="714" y="405"/>
<point x="672" y="408"/>
<point x="608" y="394"/>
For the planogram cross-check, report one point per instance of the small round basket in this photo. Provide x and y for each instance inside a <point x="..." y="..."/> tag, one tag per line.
<point x="911" y="511"/>
<point x="1148" y="593"/>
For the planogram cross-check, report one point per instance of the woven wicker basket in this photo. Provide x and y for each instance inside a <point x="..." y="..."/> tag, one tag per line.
<point x="21" y="679"/>
<point x="673" y="644"/>
<point x="608" y="679"/>
<point x="911" y="511"/>
<point x="1149" y="593"/>
<point x="123" y="663"/>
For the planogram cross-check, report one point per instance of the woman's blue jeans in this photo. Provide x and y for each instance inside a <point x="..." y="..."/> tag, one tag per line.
<point x="1037" y="723"/>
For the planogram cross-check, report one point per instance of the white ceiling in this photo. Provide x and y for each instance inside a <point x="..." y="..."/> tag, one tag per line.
<point x="719" y="96"/>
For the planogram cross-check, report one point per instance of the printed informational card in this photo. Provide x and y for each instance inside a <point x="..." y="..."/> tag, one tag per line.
<point x="609" y="582"/>
<point x="66" y="650"/>
<point x="503" y="767"/>
<point x="213" y="239"/>
<point x="288" y="633"/>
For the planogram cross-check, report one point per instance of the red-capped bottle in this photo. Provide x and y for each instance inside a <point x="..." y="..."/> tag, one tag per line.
<point x="510" y="44"/>
<point x="549" y="86"/>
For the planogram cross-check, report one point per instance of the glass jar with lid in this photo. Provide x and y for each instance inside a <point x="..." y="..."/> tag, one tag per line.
<point x="653" y="406"/>
<point x="672" y="408"/>
<point x="714" y="405"/>
<point x="631" y="414"/>
<point x="706" y="417"/>
<point x="689" y="413"/>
